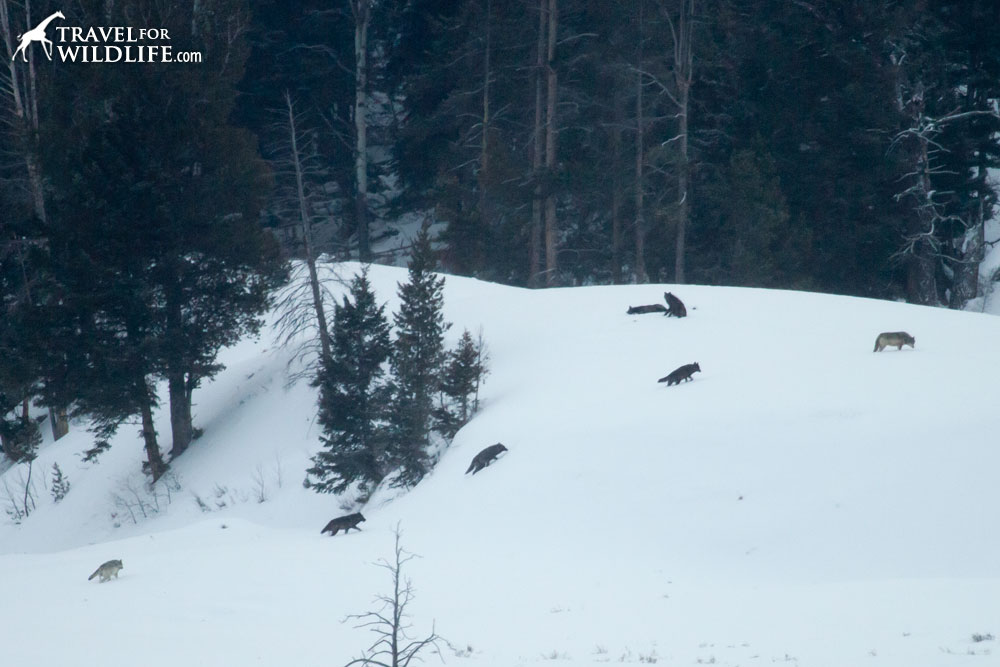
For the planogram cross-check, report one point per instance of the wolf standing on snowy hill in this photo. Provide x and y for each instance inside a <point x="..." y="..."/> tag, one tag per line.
<point x="485" y="457"/>
<point x="897" y="338"/>
<point x="111" y="567"/>
<point x="346" y="522"/>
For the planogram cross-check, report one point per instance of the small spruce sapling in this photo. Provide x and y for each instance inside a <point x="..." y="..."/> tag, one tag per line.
<point x="417" y="360"/>
<point x="60" y="483"/>
<point x="464" y="371"/>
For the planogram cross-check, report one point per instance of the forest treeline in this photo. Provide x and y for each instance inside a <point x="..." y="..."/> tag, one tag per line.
<point x="830" y="145"/>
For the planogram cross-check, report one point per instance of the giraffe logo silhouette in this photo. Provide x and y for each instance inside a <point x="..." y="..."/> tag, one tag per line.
<point x="37" y="34"/>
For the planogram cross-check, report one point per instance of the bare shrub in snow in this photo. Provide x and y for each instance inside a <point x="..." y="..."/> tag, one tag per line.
<point x="393" y="646"/>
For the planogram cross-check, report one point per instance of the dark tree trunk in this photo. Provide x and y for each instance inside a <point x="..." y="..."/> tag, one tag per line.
<point x="181" y="427"/>
<point x="60" y="422"/>
<point x="538" y="153"/>
<point x="966" y="283"/>
<point x="617" y="194"/>
<point x="552" y="92"/>
<point x="640" y="222"/>
<point x="362" y="18"/>
<point x="153" y="456"/>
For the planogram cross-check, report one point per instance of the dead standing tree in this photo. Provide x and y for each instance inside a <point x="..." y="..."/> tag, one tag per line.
<point x="19" y="120"/>
<point x="393" y="647"/>
<point x="544" y="220"/>
<point x="923" y="246"/>
<point x="361" y="11"/>
<point x="306" y="220"/>
<point x="678" y="90"/>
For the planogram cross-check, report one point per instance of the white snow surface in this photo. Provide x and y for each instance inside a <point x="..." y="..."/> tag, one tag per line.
<point x="802" y="500"/>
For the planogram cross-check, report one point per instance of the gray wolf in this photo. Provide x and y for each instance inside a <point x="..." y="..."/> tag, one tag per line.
<point x="485" y="457"/>
<point x="897" y="338"/>
<point x="346" y="522"/>
<point x="106" y="570"/>
<point x="675" y="306"/>
<point x="683" y="373"/>
<point x="642" y="310"/>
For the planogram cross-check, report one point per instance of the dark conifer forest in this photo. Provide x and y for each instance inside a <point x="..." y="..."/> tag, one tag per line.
<point x="835" y="146"/>
<point x="147" y="209"/>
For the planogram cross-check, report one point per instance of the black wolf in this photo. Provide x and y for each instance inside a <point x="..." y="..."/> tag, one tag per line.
<point x="675" y="306"/>
<point x="485" y="457"/>
<point x="642" y="310"/>
<point x="683" y="373"/>
<point x="346" y="522"/>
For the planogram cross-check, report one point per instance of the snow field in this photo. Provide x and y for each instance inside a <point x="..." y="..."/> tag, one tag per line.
<point x="803" y="500"/>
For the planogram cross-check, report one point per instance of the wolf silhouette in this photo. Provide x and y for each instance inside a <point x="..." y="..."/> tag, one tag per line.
<point x="675" y="306"/>
<point x="346" y="522"/>
<point x="683" y="373"/>
<point x="485" y="457"/>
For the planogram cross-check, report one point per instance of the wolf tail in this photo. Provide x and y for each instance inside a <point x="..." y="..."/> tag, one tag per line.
<point x="876" y="345"/>
<point x="94" y="574"/>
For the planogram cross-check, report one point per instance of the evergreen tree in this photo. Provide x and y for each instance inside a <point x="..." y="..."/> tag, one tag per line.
<point x="418" y="354"/>
<point x="463" y="373"/>
<point x="354" y="396"/>
<point x="19" y="434"/>
<point x="60" y="484"/>
<point x="154" y="236"/>
<point x="755" y="246"/>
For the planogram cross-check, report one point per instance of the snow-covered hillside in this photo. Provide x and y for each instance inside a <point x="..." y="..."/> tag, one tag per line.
<point x="803" y="500"/>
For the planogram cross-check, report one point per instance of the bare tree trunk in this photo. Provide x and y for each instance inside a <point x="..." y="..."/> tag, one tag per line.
<point x="60" y="423"/>
<point x="921" y="280"/>
<point x="538" y="152"/>
<point x="965" y="286"/>
<point x="195" y="11"/>
<point x="640" y="149"/>
<point x="25" y="106"/>
<point x="27" y="487"/>
<point x="362" y="18"/>
<point x="683" y="61"/>
<point x="552" y="91"/>
<point x="305" y="218"/>
<point x="24" y="95"/>
<point x="683" y="172"/>
<point x="484" y="152"/>
<point x="181" y="426"/>
<point x="617" y="167"/>
<point x="153" y="457"/>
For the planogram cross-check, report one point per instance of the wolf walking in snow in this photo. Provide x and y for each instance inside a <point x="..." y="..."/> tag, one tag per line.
<point x="683" y="373"/>
<point x="897" y="338"/>
<point x="485" y="457"/>
<point x="346" y="522"/>
<point x="107" y="569"/>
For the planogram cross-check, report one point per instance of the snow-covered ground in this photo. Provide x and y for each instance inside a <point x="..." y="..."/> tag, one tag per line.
<point x="803" y="500"/>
